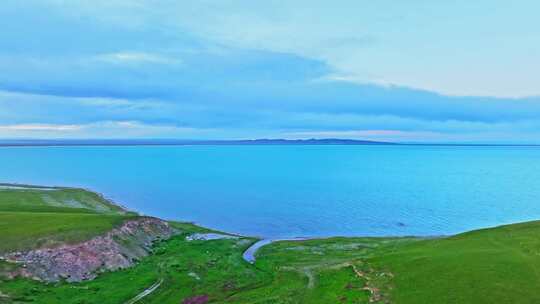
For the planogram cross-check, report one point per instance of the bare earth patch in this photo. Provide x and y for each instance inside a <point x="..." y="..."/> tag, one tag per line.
<point x="117" y="249"/>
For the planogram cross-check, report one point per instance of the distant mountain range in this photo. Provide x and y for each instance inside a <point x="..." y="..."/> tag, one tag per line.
<point x="174" y="142"/>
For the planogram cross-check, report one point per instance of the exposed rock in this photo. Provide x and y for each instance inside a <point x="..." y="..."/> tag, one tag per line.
<point x="117" y="249"/>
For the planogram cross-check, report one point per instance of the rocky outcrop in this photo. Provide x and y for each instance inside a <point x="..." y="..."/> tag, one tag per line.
<point x="120" y="248"/>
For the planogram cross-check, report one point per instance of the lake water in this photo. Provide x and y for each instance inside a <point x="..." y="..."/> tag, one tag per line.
<point x="301" y="191"/>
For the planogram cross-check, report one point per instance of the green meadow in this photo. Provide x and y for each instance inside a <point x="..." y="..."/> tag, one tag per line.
<point x="496" y="265"/>
<point x="32" y="217"/>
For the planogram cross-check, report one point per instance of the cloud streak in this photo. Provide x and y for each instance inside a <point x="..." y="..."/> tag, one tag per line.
<point x="137" y="58"/>
<point x="98" y="130"/>
<point x="39" y="127"/>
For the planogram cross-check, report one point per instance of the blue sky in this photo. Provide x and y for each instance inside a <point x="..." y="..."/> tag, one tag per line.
<point x="408" y="71"/>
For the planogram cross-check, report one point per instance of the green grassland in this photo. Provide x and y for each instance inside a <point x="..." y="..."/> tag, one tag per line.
<point x="32" y="217"/>
<point x="496" y="265"/>
<point x="56" y="199"/>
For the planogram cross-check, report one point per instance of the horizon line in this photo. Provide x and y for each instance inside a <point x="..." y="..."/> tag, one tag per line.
<point x="33" y="142"/>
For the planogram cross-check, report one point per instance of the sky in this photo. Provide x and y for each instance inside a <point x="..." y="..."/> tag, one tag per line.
<point x="402" y="71"/>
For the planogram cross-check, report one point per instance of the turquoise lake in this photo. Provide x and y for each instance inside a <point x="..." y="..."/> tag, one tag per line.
<point x="300" y="191"/>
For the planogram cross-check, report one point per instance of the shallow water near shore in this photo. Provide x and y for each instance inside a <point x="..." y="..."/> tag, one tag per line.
<point x="300" y="191"/>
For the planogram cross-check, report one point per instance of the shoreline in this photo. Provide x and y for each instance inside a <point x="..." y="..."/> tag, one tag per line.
<point x="249" y="255"/>
<point x="23" y="186"/>
<point x="363" y="269"/>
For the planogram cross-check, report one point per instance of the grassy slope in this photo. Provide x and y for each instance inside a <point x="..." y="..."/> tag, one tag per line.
<point x="28" y="230"/>
<point x="55" y="200"/>
<point x="498" y="265"/>
<point x="212" y="268"/>
<point x="32" y="217"/>
<point x="314" y="271"/>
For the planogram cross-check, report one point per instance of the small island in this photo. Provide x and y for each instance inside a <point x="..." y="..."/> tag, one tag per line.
<point x="70" y="245"/>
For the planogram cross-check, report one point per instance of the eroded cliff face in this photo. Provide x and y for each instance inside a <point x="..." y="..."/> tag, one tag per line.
<point x="117" y="249"/>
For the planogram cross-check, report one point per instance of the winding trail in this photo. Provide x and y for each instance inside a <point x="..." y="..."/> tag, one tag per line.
<point x="250" y="253"/>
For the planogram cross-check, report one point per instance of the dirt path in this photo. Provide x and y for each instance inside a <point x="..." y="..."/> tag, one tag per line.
<point x="249" y="254"/>
<point x="375" y="293"/>
<point x="311" y="278"/>
<point x="145" y="292"/>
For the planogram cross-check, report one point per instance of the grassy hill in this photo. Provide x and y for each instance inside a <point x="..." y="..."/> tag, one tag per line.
<point x="32" y="217"/>
<point x="18" y="198"/>
<point x="496" y="265"/>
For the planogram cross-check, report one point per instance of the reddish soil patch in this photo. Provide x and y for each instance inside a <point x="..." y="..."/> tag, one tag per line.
<point x="202" y="299"/>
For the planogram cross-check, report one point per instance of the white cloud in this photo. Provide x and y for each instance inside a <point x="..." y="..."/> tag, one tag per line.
<point x="368" y="79"/>
<point x="101" y="129"/>
<point x="454" y="47"/>
<point x="38" y="128"/>
<point x="96" y="102"/>
<point x="137" y="58"/>
<point x="121" y="103"/>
